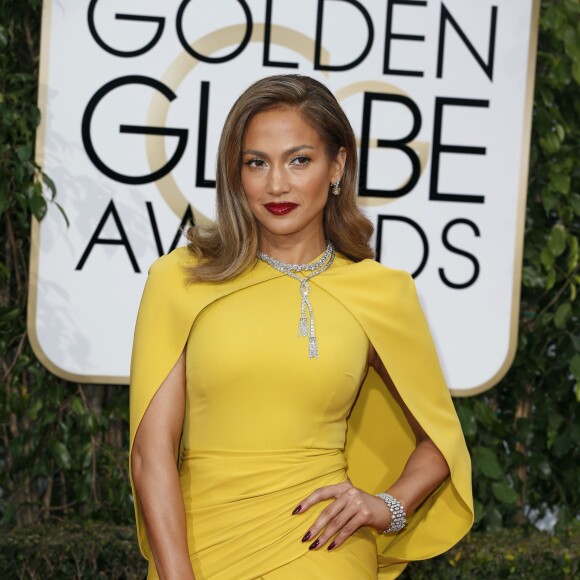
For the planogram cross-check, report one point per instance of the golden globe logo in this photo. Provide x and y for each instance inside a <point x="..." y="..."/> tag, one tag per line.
<point x="438" y="93"/>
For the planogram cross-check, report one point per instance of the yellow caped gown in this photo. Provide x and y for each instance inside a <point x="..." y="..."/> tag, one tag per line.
<point x="265" y="425"/>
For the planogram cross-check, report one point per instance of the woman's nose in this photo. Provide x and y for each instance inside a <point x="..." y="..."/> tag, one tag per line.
<point x="278" y="182"/>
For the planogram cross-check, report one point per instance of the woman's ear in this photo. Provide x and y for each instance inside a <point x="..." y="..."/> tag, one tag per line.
<point x="339" y="164"/>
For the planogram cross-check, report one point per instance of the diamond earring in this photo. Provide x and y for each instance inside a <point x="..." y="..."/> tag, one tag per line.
<point x="335" y="187"/>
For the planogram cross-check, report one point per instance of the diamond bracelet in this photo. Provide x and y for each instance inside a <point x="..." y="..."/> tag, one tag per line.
<point x="398" y="519"/>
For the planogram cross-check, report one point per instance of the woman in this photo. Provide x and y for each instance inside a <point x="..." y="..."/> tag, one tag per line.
<point x="255" y="451"/>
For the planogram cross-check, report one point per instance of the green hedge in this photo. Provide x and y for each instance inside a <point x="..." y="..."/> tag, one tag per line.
<point x="70" y="550"/>
<point x="90" y="550"/>
<point x="505" y="554"/>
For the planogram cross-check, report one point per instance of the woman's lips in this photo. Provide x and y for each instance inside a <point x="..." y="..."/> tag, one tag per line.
<point x="280" y="208"/>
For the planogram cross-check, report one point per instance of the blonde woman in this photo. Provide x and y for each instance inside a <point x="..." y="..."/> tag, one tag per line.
<point x="289" y="418"/>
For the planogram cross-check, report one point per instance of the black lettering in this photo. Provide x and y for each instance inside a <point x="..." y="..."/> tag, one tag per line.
<point x="439" y="148"/>
<point x="186" y="219"/>
<point x="155" y="228"/>
<point x="122" y="241"/>
<point x="267" y="40"/>
<point x="318" y="44"/>
<point x="455" y="250"/>
<point x="399" y="144"/>
<point x="214" y="59"/>
<point x="487" y="67"/>
<point x="390" y="35"/>
<point x="200" y="179"/>
<point x="133" y="18"/>
<point x="415" y="226"/>
<point x="181" y="134"/>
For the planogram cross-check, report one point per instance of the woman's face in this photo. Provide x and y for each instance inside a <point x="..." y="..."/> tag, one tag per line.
<point x="286" y="175"/>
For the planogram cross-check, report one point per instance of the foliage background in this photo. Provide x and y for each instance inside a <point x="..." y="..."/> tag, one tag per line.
<point x="63" y="447"/>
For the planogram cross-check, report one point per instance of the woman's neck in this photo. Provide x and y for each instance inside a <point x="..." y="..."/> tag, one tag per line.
<point x="292" y="251"/>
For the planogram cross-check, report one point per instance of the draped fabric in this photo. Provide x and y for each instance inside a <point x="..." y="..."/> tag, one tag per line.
<point x="353" y="304"/>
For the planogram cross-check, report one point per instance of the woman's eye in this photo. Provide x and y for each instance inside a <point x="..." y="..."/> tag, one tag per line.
<point x="300" y="160"/>
<point x="255" y="162"/>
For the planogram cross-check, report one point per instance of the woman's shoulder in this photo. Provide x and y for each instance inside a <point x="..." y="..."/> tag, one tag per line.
<point x="173" y="263"/>
<point x="169" y="274"/>
<point x="372" y="272"/>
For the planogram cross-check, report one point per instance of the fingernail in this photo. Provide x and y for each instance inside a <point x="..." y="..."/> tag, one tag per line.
<point x="306" y="537"/>
<point x="297" y="510"/>
<point x="331" y="546"/>
<point x="313" y="545"/>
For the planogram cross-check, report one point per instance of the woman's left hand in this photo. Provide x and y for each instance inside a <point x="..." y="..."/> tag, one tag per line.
<point x="351" y="509"/>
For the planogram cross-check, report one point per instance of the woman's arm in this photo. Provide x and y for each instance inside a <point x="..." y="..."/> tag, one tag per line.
<point x="154" y="467"/>
<point x="426" y="467"/>
<point x="353" y="508"/>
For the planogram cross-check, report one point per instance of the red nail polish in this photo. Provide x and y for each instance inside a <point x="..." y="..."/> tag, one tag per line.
<point x="313" y="545"/>
<point x="331" y="546"/>
<point x="306" y="537"/>
<point x="297" y="510"/>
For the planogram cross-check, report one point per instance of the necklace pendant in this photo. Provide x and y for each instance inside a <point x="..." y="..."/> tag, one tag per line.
<point x="312" y="347"/>
<point x="303" y="326"/>
<point x="298" y="272"/>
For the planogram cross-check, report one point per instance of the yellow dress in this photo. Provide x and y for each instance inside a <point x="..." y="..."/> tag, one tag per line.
<point x="265" y="425"/>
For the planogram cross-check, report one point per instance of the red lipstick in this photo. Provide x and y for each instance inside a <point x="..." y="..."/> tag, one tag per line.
<point x="280" y="208"/>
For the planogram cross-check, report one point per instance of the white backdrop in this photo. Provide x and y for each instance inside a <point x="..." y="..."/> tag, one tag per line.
<point x="438" y="93"/>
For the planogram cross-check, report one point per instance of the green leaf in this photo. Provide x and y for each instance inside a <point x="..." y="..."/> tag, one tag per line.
<point x="485" y="414"/>
<point x="562" y="444"/>
<point x="576" y="71"/>
<point x="494" y="519"/>
<point x="562" y="315"/>
<point x="572" y="44"/>
<point x="9" y="314"/>
<point x="549" y="199"/>
<point x="555" y="419"/>
<point x="3" y="37"/>
<point x="478" y="509"/>
<point x="50" y="184"/>
<point x="544" y="468"/>
<point x="504" y="493"/>
<point x="550" y="143"/>
<point x="92" y="424"/>
<point x="560" y="182"/>
<point x="35" y="409"/>
<point x="468" y="421"/>
<point x="533" y="277"/>
<point x="575" y="200"/>
<point x="78" y="407"/>
<point x="575" y="366"/>
<point x="557" y="241"/>
<point x="24" y="152"/>
<point x="547" y="258"/>
<point x="88" y="456"/>
<point x="573" y="254"/>
<point x="62" y="454"/>
<point x="38" y="207"/>
<point x="550" y="279"/>
<point x="63" y="213"/>
<point x="486" y="461"/>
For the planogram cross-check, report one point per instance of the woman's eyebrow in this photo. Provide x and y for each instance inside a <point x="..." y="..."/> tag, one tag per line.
<point x="288" y="152"/>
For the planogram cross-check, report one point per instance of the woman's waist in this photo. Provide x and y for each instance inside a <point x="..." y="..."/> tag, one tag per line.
<point x="217" y="476"/>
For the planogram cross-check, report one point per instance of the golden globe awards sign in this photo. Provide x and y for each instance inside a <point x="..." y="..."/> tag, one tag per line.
<point x="133" y="96"/>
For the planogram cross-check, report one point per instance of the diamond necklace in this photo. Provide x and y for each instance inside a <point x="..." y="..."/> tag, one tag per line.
<point x="313" y="269"/>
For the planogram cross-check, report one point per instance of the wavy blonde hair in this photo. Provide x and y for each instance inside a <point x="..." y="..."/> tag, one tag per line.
<point x="228" y="247"/>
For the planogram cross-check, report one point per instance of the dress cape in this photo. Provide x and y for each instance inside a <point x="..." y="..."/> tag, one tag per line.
<point x="379" y="439"/>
